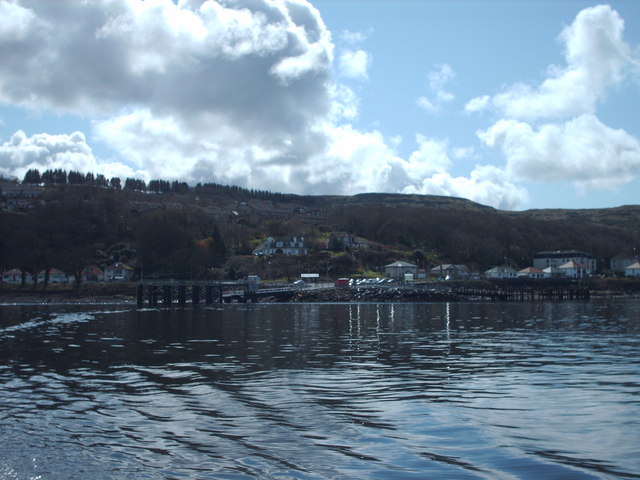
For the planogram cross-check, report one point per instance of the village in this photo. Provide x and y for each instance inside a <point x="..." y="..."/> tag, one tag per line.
<point x="559" y="264"/>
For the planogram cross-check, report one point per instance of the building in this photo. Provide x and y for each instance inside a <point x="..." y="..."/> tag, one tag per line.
<point x="531" y="272"/>
<point x="14" y="277"/>
<point x="345" y="240"/>
<point x="632" y="270"/>
<point x="92" y="273"/>
<point x="503" y="271"/>
<point x="449" y="271"/>
<point x="17" y="190"/>
<point x="399" y="269"/>
<point x="552" y="272"/>
<point x="55" y="276"/>
<point x="575" y="270"/>
<point x="558" y="258"/>
<point x="620" y="262"/>
<point x="272" y="246"/>
<point x="118" y="272"/>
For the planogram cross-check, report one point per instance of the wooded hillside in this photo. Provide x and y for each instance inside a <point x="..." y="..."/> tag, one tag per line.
<point x="173" y="230"/>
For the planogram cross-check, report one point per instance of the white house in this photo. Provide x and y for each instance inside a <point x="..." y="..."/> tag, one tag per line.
<point x="118" y="272"/>
<point x="575" y="270"/>
<point x="272" y="246"/>
<point x="14" y="277"/>
<point x="632" y="270"/>
<point x="502" y="271"/>
<point x="531" y="272"/>
<point x="55" y="276"/>
<point x="552" y="272"/>
<point x="92" y="273"/>
<point x="400" y="268"/>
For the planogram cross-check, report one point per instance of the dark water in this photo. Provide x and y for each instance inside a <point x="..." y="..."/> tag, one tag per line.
<point x="404" y="391"/>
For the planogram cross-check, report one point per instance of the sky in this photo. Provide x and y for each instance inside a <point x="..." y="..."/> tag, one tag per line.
<point x="513" y="104"/>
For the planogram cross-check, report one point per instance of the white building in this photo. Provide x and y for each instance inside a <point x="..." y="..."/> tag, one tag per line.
<point x="632" y="270"/>
<point x="531" y="272"/>
<point x="552" y="272"/>
<point x="575" y="270"/>
<point x="503" y="271"/>
<point x="55" y="276"/>
<point x="118" y="272"/>
<point x="558" y="258"/>
<point x="272" y="246"/>
<point x="400" y="269"/>
<point x="14" y="277"/>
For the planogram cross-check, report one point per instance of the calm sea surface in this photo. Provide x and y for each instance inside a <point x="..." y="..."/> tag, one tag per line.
<point x="321" y="391"/>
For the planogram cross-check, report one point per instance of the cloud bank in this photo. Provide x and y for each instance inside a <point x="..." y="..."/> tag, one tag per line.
<point x="551" y="132"/>
<point x="249" y="92"/>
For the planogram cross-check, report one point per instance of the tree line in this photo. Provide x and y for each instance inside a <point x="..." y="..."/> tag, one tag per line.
<point x="158" y="186"/>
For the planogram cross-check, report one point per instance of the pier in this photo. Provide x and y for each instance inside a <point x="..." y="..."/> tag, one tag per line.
<point x="195" y="293"/>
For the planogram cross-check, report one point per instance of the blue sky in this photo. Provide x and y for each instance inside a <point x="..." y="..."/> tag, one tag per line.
<point x="513" y="104"/>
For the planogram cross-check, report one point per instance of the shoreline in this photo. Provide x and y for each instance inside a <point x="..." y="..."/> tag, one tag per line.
<point x="311" y="296"/>
<point x="480" y="291"/>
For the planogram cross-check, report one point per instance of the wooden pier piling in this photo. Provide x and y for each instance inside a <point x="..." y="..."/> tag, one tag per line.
<point x="195" y="294"/>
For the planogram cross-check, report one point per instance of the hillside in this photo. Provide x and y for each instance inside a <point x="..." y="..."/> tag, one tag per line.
<point x="211" y="230"/>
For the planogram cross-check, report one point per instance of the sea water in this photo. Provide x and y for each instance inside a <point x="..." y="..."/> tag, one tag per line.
<point x="539" y="390"/>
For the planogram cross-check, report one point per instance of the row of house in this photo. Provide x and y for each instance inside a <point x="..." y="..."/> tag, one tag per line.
<point x="556" y="264"/>
<point x="117" y="272"/>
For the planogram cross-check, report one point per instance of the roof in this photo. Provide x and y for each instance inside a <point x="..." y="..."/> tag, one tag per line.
<point x="400" y="263"/>
<point x="573" y="264"/>
<point x="551" y="270"/>
<point x="633" y="266"/>
<point x="13" y="271"/>
<point x="530" y="270"/>
<point x="501" y="269"/>
<point x="448" y="266"/>
<point x="52" y="271"/>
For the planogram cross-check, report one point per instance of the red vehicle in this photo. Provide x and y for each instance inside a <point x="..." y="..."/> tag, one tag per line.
<point x="341" y="282"/>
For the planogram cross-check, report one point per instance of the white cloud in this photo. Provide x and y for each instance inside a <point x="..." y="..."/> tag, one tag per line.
<point x="551" y="132"/>
<point x="15" y="21"/>
<point x="437" y="81"/>
<point x="426" y="104"/>
<point x="427" y="172"/>
<point x="185" y="60"/>
<point x="596" y="58"/>
<point x="354" y="37"/>
<point x="477" y="104"/>
<point x="583" y="151"/>
<point x="355" y="64"/>
<point x="487" y="185"/>
<point x="44" y="152"/>
<point x="235" y="92"/>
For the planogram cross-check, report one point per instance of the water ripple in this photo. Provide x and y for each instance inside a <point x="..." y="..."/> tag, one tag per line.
<point x="322" y="391"/>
